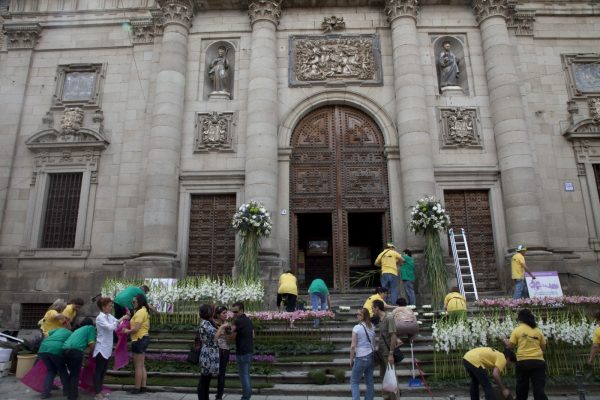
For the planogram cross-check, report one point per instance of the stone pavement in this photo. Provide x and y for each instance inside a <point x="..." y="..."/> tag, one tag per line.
<point x="12" y="389"/>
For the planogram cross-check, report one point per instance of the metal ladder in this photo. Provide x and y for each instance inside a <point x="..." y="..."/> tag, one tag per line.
<point x="462" y="265"/>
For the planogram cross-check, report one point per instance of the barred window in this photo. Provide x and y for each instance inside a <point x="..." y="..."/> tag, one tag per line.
<point x="62" y="208"/>
<point x="31" y="313"/>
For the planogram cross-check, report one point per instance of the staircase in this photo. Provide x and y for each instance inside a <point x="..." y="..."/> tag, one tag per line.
<point x="289" y="375"/>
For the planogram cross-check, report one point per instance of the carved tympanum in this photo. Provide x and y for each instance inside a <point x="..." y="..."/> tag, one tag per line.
<point x="459" y="126"/>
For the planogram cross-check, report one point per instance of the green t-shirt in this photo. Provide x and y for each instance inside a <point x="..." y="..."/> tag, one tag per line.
<point x="318" y="286"/>
<point x="126" y="295"/>
<point x="81" y="338"/>
<point x="53" y="344"/>
<point x="408" y="268"/>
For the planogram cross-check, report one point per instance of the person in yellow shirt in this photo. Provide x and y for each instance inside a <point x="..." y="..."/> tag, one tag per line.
<point x="54" y="318"/>
<point x="390" y="261"/>
<point x="455" y="303"/>
<point x="518" y="268"/>
<point x="287" y="292"/>
<point x="380" y="294"/>
<point x="71" y="310"/>
<point x="477" y="361"/>
<point x="140" y="326"/>
<point x="530" y="343"/>
<point x="595" y="340"/>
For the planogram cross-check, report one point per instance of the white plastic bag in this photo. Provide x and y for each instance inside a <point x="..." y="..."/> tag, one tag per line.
<point x="390" y="382"/>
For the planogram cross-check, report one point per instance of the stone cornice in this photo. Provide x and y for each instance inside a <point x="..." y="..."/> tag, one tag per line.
<point x="401" y="8"/>
<point x="177" y="12"/>
<point x="21" y="35"/>
<point x="145" y="29"/>
<point x="485" y="9"/>
<point x="264" y="10"/>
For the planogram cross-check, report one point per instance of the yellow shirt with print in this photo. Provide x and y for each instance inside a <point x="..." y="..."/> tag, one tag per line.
<point x="288" y="284"/>
<point x="486" y="357"/>
<point x="528" y="342"/>
<point x="70" y="312"/>
<point x="369" y="303"/>
<point x="517" y="266"/>
<point x="455" y="302"/>
<point x="140" y="317"/>
<point x="388" y="260"/>
<point x="596" y="336"/>
<point x="49" y="323"/>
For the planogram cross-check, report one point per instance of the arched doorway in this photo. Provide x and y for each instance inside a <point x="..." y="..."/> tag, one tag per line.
<point x="339" y="201"/>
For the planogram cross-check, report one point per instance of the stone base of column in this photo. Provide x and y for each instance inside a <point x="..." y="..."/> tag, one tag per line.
<point x="219" y="96"/>
<point x="452" y="91"/>
<point x="153" y="266"/>
<point x="271" y="267"/>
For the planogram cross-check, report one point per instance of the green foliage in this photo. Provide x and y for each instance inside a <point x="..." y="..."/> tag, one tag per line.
<point x="338" y="374"/>
<point x="317" y="376"/>
<point x="437" y="276"/>
<point x="290" y="347"/>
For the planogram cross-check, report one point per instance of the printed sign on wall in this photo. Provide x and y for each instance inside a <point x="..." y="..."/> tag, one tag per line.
<point x="545" y="284"/>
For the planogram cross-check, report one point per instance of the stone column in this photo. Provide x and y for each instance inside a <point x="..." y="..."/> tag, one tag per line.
<point x="521" y="203"/>
<point x="261" y="130"/>
<point x="164" y="142"/>
<point x="414" y="140"/>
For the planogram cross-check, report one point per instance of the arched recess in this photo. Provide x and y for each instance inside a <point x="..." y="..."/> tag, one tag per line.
<point x="339" y="194"/>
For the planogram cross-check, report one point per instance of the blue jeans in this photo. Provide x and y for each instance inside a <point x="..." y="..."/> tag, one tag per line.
<point x="243" y="361"/>
<point x="362" y="366"/>
<point x="55" y="364"/>
<point x="318" y="301"/>
<point x="409" y="288"/>
<point x="390" y="282"/>
<point x="520" y="291"/>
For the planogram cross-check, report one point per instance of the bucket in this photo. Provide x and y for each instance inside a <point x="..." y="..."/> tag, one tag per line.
<point x="24" y="364"/>
<point x="5" y="355"/>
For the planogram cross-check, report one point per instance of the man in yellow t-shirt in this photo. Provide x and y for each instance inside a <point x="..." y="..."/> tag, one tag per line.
<point x="595" y="340"/>
<point x="390" y="260"/>
<point x="481" y="359"/>
<point x="71" y="310"/>
<point x="380" y="294"/>
<point x="518" y="269"/>
<point x="454" y="302"/>
<point x="287" y="292"/>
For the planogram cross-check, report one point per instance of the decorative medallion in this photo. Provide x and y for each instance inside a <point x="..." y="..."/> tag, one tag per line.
<point x="459" y="128"/>
<point x="72" y="121"/>
<point x="333" y="23"/>
<point x="214" y="131"/>
<point x="485" y="9"/>
<point x="594" y="104"/>
<point x="177" y="12"/>
<point x="21" y="35"/>
<point x="335" y="60"/>
<point x="401" y="8"/>
<point x="268" y="10"/>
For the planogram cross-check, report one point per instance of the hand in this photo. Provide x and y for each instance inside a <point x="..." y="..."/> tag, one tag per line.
<point x="351" y="362"/>
<point x="391" y="358"/>
<point x="506" y="393"/>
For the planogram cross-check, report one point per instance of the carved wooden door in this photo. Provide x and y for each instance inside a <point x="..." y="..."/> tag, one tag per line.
<point x="338" y="165"/>
<point x="470" y="209"/>
<point x="212" y="239"/>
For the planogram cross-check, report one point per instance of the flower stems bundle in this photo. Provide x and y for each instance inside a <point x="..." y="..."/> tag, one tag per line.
<point x="248" y="258"/>
<point x="437" y="276"/>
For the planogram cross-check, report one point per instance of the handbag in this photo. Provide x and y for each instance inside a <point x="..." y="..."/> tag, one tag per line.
<point x="374" y="352"/>
<point x="398" y="354"/>
<point x="193" y="356"/>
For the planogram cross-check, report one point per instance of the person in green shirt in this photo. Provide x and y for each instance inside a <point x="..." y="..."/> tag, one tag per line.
<point x="408" y="276"/>
<point x="51" y="354"/>
<point x="80" y="340"/>
<point x="319" y="297"/>
<point x="122" y="302"/>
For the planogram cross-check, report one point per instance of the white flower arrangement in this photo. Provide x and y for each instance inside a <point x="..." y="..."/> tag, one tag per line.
<point x="428" y="214"/>
<point x="344" y="308"/>
<point x="252" y="217"/>
<point x="412" y="307"/>
<point x="426" y="307"/>
<point x="428" y="314"/>
<point x="416" y="314"/>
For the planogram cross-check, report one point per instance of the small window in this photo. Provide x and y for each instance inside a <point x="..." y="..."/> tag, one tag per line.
<point x="78" y="85"/>
<point x="31" y="313"/>
<point x="62" y="208"/>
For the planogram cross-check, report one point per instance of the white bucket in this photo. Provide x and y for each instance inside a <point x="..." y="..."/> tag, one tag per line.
<point x="5" y="355"/>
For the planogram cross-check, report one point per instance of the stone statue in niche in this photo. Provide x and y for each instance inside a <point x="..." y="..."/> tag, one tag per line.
<point x="448" y="67"/>
<point x="219" y="72"/>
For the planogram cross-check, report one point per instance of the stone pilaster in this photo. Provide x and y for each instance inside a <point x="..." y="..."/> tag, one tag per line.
<point x="414" y="139"/>
<point x="261" y="130"/>
<point x="522" y="211"/>
<point x="164" y="143"/>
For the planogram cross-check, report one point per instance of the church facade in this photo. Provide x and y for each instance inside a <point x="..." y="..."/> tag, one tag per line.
<point x="131" y="130"/>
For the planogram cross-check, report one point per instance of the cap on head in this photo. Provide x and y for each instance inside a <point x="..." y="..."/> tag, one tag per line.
<point x="521" y="248"/>
<point x="390" y="244"/>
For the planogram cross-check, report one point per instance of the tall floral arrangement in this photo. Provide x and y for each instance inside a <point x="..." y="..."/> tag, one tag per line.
<point x="252" y="221"/>
<point x="428" y="217"/>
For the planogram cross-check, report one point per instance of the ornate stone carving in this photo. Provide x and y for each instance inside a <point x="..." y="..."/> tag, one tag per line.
<point x="581" y="169"/>
<point x="214" y="131"/>
<point x="269" y="10"/>
<point x="333" y="23"/>
<point x="98" y="117"/>
<point x="21" y="35"/>
<point x="335" y="59"/>
<point x="401" y="8"/>
<point x="594" y="104"/>
<point x="459" y="128"/>
<point x="72" y="121"/>
<point x="144" y="30"/>
<point x="177" y="12"/>
<point x="521" y="22"/>
<point x="490" y="8"/>
<point x="48" y="119"/>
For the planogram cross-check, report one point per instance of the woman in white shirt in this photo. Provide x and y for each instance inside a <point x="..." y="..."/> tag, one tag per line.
<point x="106" y="325"/>
<point x="361" y="355"/>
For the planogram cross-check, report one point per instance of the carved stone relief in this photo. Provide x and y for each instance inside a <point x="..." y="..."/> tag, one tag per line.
<point x="401" y="8"/>
<point x="335" y="60"/>
<point x="594" y="104"/>
<point x="72" y="121"/>
<point x="214" y="131"/>
<point x="490" y="8"/>
<point x="333" y="23"/>
<point x="266" y="10"/>
<point x="521" y="22"/>
<point x="460" y="128"/>
<point x="144" y="30"/>
<point x="177" y="12"/>
<point x="21" y="35"/>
